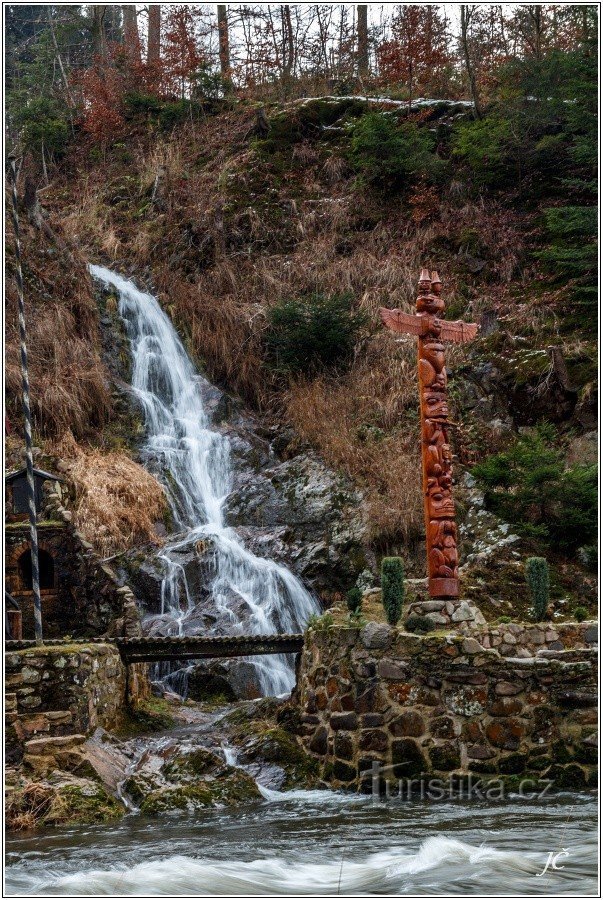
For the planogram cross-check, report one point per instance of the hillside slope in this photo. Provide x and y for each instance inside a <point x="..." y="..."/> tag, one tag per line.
<point x="227" y="225"/>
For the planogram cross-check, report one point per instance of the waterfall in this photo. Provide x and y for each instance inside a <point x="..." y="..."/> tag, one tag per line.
<point x="250" y="595"/>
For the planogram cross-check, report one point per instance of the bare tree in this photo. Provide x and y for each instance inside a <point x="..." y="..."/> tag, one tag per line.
<point x="224" y="43"/>
<point x="363" y="57"/>
<point x="131" y="36"/>
<point x="154" y="36"/>
<point x="467" y="13"/>
<point x="288" y="44"/>
<point x="99" y="34"/>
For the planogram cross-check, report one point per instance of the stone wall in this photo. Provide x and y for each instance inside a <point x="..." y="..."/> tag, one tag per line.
<point x="440" y="704"/>
<point x="63" y="690"/>
<point x="521" y="640"/>
<point x="86" y="598"/>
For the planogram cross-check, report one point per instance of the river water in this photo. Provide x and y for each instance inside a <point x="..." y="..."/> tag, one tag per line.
<point x="319" y="842"/>
<point x="249" y="595"/>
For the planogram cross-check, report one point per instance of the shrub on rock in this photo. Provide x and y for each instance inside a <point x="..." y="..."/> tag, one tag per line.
<point x="392" y="588"/>
<point x="537" y="577"/>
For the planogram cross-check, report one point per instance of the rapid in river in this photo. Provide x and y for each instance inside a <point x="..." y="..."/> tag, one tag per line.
<point x="250" y="595"/>
<point x="324" y="843"/>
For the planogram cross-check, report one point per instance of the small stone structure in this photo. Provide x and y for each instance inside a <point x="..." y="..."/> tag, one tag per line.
<point x="56" y="691"/>
<point x="81" y="594"/>
<point x="441" y="704"/>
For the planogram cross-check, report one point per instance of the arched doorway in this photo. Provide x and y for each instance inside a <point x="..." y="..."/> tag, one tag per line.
<point x="46" y="565"/>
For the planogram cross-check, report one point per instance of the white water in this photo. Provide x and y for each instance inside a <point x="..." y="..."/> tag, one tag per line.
<point x="251" y="595"/>
<point x="322" y="843"/>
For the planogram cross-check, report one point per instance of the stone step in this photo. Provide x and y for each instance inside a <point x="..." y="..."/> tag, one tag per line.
<point x="48" y="746"/>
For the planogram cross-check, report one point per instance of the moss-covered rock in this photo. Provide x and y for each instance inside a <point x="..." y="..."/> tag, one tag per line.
<point x="229" y="787"/>
<point x="78" y="800"/>
<point x="275" y="745"/>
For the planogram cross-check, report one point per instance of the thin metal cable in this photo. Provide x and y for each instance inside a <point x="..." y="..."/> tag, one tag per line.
<point x="31" y="490"/>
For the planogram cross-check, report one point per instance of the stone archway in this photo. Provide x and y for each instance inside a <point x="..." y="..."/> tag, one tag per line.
<point x="19" y="568"/>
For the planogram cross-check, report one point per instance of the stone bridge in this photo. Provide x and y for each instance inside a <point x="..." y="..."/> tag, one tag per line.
<point x="160" y="649"/>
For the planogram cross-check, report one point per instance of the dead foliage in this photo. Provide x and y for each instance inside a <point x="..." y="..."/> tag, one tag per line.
<point x="118" y="502"/>
<point x="68" y="381"/>
<point x="238" y="230"/>
<point x="26" y="808"/>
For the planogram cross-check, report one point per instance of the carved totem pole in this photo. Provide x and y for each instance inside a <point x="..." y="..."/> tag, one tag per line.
<point x="432" y="331"/>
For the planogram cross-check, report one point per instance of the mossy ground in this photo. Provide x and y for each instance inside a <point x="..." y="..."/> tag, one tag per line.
<point x="154" y="714"/>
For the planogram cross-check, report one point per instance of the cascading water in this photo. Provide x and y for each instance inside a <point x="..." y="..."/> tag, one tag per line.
<point x="250" y="595"/>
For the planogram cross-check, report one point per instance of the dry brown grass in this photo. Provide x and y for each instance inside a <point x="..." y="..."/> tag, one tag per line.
<point x="234" y="237"/>
<point x="118" y="502"/>
<point x="366" y="425"/>
<point x="26" y="808"/>
<point x="68" y="380"/>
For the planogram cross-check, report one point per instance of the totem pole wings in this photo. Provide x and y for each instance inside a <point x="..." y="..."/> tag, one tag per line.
<point x="409" y="323"/>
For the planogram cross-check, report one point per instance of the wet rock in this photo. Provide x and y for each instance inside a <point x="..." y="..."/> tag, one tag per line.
<point x="408" y="724"/>
<point x="407" y="758"/>
<point x="319" y="742"/>
<point x="204" y="686"/>
<point x="373" y="739"/>
<point x="446" y="757"/>
<point x="344" y="721"/>
<point x="343" y="745"/>
<point x="505" y="734"/>
<point x="513" y="764"/>
<point x="301" y="513"/>
<point x="343" y="772"/>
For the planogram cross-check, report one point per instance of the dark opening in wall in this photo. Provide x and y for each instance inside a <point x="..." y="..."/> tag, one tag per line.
<point x="46" y="570"/>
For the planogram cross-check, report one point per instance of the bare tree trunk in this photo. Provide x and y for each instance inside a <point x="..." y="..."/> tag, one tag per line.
<point x="99" y="35"/>
<point x="466" y="13"/>
<point x="538" y="24"/>
<point x="224" y="44"/>
<point x="59" y="57"/>
<point x="363" y="58"/>
<point x="288" y="48"/>
<point x="154" y="39"/>
<point x="131" y="36"/>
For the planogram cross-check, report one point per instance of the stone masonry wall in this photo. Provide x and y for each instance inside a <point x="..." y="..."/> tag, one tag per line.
<point x="87" y="599"/>
<point x="519" y="640"/>
<point x="440" y="704"/>
<point x="54" y="691"/>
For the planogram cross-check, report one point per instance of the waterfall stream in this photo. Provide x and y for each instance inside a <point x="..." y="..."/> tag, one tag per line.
<point x="250" y="595"/>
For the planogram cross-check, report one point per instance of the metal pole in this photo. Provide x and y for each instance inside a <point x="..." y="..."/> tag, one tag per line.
<point x="33" y="527"/>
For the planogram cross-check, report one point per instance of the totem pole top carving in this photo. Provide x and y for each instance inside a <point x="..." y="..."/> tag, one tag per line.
<point x="432" y="331"/>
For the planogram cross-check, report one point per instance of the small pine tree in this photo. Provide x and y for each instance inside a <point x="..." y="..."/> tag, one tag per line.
<point x="354" y="600"/>
<point x="392" y="588"/>
<point x="537" y="577"/>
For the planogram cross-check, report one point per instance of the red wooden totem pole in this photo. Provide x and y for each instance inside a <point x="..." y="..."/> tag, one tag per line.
<point x="432" y="331"/>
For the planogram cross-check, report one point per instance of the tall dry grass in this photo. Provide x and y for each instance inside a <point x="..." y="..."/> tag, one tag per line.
<point x="68" y="381"/>
<point x="118" y="502"/>
<point x="366" y="425"/>
<point x="237" y="232"/>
